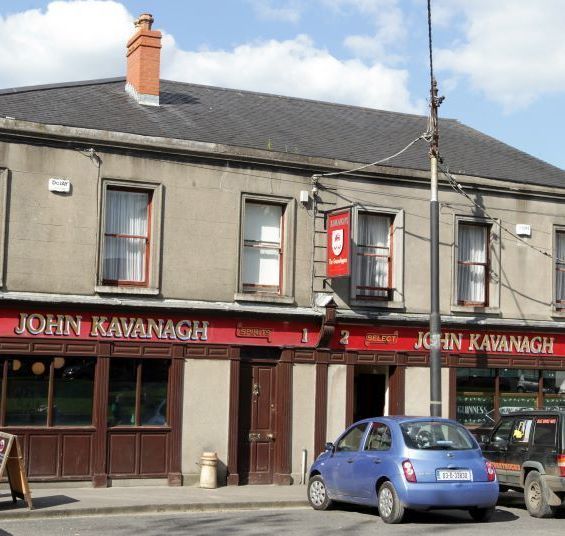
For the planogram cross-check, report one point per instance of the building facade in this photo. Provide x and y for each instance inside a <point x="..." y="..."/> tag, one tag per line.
<point x="166" y="288"/>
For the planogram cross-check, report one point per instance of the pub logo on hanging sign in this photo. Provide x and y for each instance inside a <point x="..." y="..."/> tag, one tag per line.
<point x="338" y="247"/>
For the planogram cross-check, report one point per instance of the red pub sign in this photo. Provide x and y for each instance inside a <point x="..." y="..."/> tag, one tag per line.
<point x="338" y="244"/>
<point x="124" y="327"/>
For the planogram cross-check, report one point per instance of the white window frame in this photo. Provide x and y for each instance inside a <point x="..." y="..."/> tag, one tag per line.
<point x="396" y="276"/>
<point x="493" y="269"/>
<point x="151" y="285"/>
<point x="286" y="289"/>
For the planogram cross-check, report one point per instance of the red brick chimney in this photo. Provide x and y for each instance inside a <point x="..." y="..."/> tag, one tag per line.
<point x="144" y="55"/>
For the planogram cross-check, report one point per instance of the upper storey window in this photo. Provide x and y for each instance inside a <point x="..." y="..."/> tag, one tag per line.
<point x="473" y="264"/>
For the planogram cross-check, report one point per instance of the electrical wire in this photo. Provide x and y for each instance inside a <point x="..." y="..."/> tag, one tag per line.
<point x="423" y="136"/>
<point x="459" y="189"/>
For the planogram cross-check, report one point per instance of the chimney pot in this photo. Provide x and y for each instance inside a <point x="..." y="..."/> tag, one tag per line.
<point x="144" y="22"/>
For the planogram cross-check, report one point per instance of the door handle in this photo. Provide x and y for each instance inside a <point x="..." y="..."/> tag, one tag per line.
<point x="351" y="460"/>
<point x="377" y="460"/>
<point x="270" y="436"/>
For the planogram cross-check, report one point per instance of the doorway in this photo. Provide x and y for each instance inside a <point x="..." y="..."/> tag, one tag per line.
<point x="369" y="392"/>
<point x="257" y="422"/>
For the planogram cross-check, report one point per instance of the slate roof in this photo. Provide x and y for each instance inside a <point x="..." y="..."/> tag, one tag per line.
<point x="262" y="121"/>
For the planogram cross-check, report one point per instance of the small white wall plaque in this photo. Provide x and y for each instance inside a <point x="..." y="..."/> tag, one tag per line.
<point x="523" y="229"/>
<point x="59" y="185"/>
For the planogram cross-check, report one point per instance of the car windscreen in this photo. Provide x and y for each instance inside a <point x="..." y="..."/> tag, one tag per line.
<point x="434" y="435"/>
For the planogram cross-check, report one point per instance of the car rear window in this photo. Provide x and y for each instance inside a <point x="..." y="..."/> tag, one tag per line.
<point x="544" y="432"/>
<point x="433" y="435"/>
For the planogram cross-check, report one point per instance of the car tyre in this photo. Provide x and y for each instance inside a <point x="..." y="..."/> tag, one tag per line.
<point x="535" y="496"/>
<point x="391" y="509"/>
<point x="318" y="494"/>
<point x="482" y="515"/>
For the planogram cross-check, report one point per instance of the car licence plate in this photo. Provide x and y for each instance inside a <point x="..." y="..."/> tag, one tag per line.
<point x="453" y="474"/>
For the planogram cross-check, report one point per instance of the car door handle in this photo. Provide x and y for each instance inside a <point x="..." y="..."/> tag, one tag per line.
<point x="351" y="460"/>
<point x="377" y="460"/>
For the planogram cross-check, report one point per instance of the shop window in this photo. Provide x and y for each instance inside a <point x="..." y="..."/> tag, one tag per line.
<point x="518" y="389"/>
<point x="475" y="396"/>
<point x="138" y="392"/>
<point x="266" y="271"/>
<point x="377" y="258"/>
<point x="472" y="264"/>
<point x="48" y="391"/>
<point x="560" y="269"/>
<point x="553" y="389"/>
<point x="129" y="246"/>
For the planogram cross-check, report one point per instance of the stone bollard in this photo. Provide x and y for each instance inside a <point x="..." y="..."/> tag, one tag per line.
<point x="208" y="470"/>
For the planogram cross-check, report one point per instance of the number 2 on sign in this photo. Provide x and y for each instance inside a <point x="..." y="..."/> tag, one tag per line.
<point x="344" y="337"/>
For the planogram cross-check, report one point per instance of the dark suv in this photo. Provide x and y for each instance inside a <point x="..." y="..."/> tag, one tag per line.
<point x="528" y="451"/>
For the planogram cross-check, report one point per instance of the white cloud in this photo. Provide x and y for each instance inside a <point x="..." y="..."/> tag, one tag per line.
<point x="68" y="41"/>
<point x="296" y="68"/>
<point x="388" y="20"/>
<point x="265" y="10"/>
<point x="82" y="40"/>
<point x="511" y="50"/>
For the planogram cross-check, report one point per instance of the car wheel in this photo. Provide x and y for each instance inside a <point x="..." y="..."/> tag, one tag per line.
<point x="534" y="495"/>
<point x="318" y="494"/>
<point x="391" y="509"/>
<point x="481" y="514"/>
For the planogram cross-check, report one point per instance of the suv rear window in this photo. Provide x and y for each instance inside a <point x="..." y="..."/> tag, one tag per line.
<point x="545" y="430"/>
<point x="433" y="435"/>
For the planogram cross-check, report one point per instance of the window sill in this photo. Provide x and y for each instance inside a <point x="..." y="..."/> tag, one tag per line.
<point x="558" y="313"/>
<point x="140" y="291"/>
<point x="378" y="304"/>
<point x="263" y="298"/>
<point x="472" y="309"/>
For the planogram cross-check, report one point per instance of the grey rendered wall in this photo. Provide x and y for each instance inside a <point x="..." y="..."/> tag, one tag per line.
<point x="53" y="238"/>
<point x="205" y="416"/>
<point x="417" y="391"/>
<point x="303" y="409"/>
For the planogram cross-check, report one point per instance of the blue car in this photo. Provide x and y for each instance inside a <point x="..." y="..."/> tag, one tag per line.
<point x="400" y="463"/>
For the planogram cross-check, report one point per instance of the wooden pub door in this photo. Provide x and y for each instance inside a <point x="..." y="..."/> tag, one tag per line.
<point x="257" y="421"/>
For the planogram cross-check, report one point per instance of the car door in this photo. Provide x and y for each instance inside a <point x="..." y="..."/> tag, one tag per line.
<point x="371" y="462"/>
<point x="338" y="466"/>
<point x="517" y="451"/>
<point x="497" y="445"/>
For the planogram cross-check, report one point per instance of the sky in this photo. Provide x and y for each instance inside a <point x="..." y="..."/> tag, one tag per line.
<point x="499" y="64"/>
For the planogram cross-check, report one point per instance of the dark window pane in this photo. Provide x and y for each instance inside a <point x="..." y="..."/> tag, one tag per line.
<point x="475" y="396"/>
<point x="553" y="389"/>
<point x="73" y="389"/>
<point x="518" y="389"/>
<point x="154" y="379"/>
<point x="28" y="387"/>
<point x="545" y="431"/>
<point x="121" y="395"/>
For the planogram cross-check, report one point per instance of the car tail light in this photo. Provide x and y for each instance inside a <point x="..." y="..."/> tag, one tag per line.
<point x="491" y="471"/>
<point x="409" y="472"/>
<point x="561" y="464"/>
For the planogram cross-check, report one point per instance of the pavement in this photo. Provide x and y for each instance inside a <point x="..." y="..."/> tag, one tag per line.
<point x="66" y="502"/>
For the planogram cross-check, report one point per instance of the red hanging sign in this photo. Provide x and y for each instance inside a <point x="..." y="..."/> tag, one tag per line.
<point x="338" y="244"/>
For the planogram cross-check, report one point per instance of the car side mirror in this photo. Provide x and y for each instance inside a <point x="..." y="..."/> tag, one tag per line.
<point x="329" y="446"/>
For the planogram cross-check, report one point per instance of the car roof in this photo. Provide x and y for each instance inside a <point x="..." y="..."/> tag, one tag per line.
<point x="535" y="412"/>
<point x="405" y="418"/>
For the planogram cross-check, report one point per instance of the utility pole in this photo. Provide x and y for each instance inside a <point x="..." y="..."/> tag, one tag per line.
<point x="435" y="319"/>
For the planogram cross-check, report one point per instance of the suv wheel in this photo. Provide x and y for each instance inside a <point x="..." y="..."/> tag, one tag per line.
<point x="535" y="497"/>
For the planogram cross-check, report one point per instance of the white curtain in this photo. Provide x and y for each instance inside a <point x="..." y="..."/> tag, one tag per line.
<point x="471" y="277"/>
<point x="261" y="265"/>
<point x="373" y="250"/>
<point x="560" y="265"/>
<point x="126" y="214"/>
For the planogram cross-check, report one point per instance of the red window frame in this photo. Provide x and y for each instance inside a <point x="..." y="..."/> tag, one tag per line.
<point x="266" y="289"/>
<point x="486" y="264"/>
<point x="147" y="238"/>
<point x="388" y="289"/>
